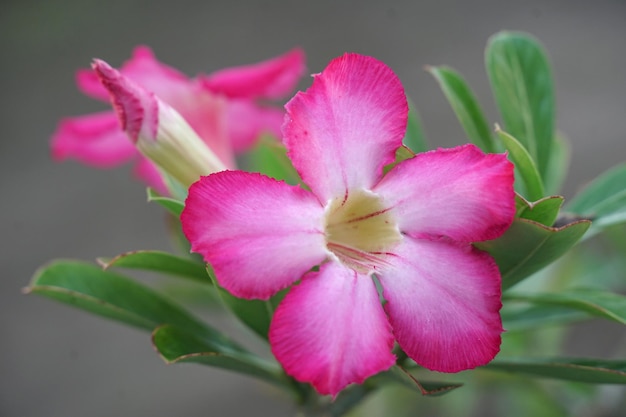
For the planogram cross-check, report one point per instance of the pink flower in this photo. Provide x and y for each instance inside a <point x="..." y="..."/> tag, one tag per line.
<point x="223" y="108"/>
<point x="411" y="228"/>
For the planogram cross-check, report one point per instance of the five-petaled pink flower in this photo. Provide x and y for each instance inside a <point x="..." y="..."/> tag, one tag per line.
<point x="223" y="108"/>
<point x="411" y="228"/>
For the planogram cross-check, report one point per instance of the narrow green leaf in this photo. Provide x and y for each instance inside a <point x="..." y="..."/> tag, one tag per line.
<point x="157" y="261"/>
<point x="178" y="346"/>
<point x="402" y="376"/>
<point x="116" y="297"/>
<point x="170" y="204"/>
<point x="255" y="314"/>
<point x="521" y="80"/>
<point x="558" y="166"/>
<point x="402" y="154"/>
<point x="592" y="371"/>
<point x="527" y="246"/>
<point x="535" y="316"/>
<point x="544" y="211"/>
<point x="524" y="163"/>
<point x="594" y="301"/>
<point x="604" y="199"/>
<point x="414" y="138"/>
<point x="269" y="157"/>
<point x="465" y="106"/>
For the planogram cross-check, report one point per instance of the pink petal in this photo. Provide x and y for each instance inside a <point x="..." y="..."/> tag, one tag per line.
<point x="260" y="235"/>
<point x="331" y="331"/>
<point x="150" y="175"/>
<point x="89" y="84"/>
<point x="459" y="192"/>
<point x="443" y="302"/>
<point x="271" y="79"/>
<point x="346" y="126"/>
<point x="95" y="139"/>
<point x="248" y="121"/>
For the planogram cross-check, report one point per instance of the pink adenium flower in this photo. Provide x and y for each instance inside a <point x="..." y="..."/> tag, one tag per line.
<point x="223" y="108"/>
<point x="411" y="228"/>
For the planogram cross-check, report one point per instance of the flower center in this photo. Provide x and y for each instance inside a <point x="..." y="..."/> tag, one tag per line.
<point x="360" y="231"/>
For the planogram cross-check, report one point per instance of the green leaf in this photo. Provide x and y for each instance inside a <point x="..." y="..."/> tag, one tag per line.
<point x="558" y="166"/>
<point x="524" y="164"/>
<point x="269" y="157"/>
<point x="116" y="297"/>
<point x="465" y="106"/>
<point x="157" y="261"/>
<point x="544" y="211"/>
<point x="527" y="246"/>
<point x="604" y="200"/>
<point x="535" y="316"/>
<point x="596" y="302"/>
<point x="402" y="154"/>
<point x="414" y="138"/>
<point x="522" y="85"/>
<point x="591" y="371"/>
<point x="178" y="346"/>
<point x="170" y="204"/>
<point x="255" y="314"/>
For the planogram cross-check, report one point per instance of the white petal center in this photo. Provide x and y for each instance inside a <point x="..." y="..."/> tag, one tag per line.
<point x="361" y="231"/>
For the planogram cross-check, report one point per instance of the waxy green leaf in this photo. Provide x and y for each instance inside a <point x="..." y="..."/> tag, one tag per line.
<point x="592" y="371"/>
<point x="536" y="316"/>
<point x="596" y="302"/>
<point x="255" y="314"/>
<point x="522" y="85"/>
<point x="414" y="138"/>
<point x="158" y="261"/>
<point x="558" y="166"/>
<point x="465" y="106"/>
<point x="544" y="211"/>
<point x="116" y="297"/>
<point x="528" y="246"/>
<point x="170" y="204"/>
<point x="179" y="346"/>
<point x="603" y="200"/>
<point x="524" y="164"/>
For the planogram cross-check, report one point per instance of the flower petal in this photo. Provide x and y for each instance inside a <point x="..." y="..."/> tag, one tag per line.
<point x="89" y="83"/>
<point x="331" y="331"/>
<point x="270" y="79"/>
<point x="95" y="139"/>
<point x="260" y="235"/>
<point x="346" y="126"/>
<point x="443" y="302"/>
<point x="248" y="121"/>
<point x="460" y="192"/>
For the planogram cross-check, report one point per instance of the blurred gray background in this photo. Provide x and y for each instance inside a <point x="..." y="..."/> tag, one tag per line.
<point x="60" y="362"/>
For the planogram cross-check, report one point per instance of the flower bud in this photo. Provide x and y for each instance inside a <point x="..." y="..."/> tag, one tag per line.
<point x="158" y="131"/>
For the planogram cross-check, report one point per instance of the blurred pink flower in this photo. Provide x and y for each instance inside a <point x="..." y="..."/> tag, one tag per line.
<point x="412" y="228"/>
<point x="224" y="109"/>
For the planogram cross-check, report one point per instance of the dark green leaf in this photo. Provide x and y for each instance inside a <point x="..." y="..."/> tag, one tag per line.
<point x="558" y="165"/>
<point x="158" y="261"/>
<point x="591" y="371"/>
<point x="399" y="375"/>
<point x="524" y="164"/>
<point x="178" y="346"/>
<point x="465" y="106"/>
<point x="604" y="200"/>
<point x="255" y="314"/>
<point x="527" y="246"/>
<point x="170" y="204"/>
<point x="521" y="81"/>
<point x="114" y="296"/>
<point x="536" y="316"/>
<point x="414" y="138"/>
<point x="544" y="211"/>
<point x="594" y="301"/>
